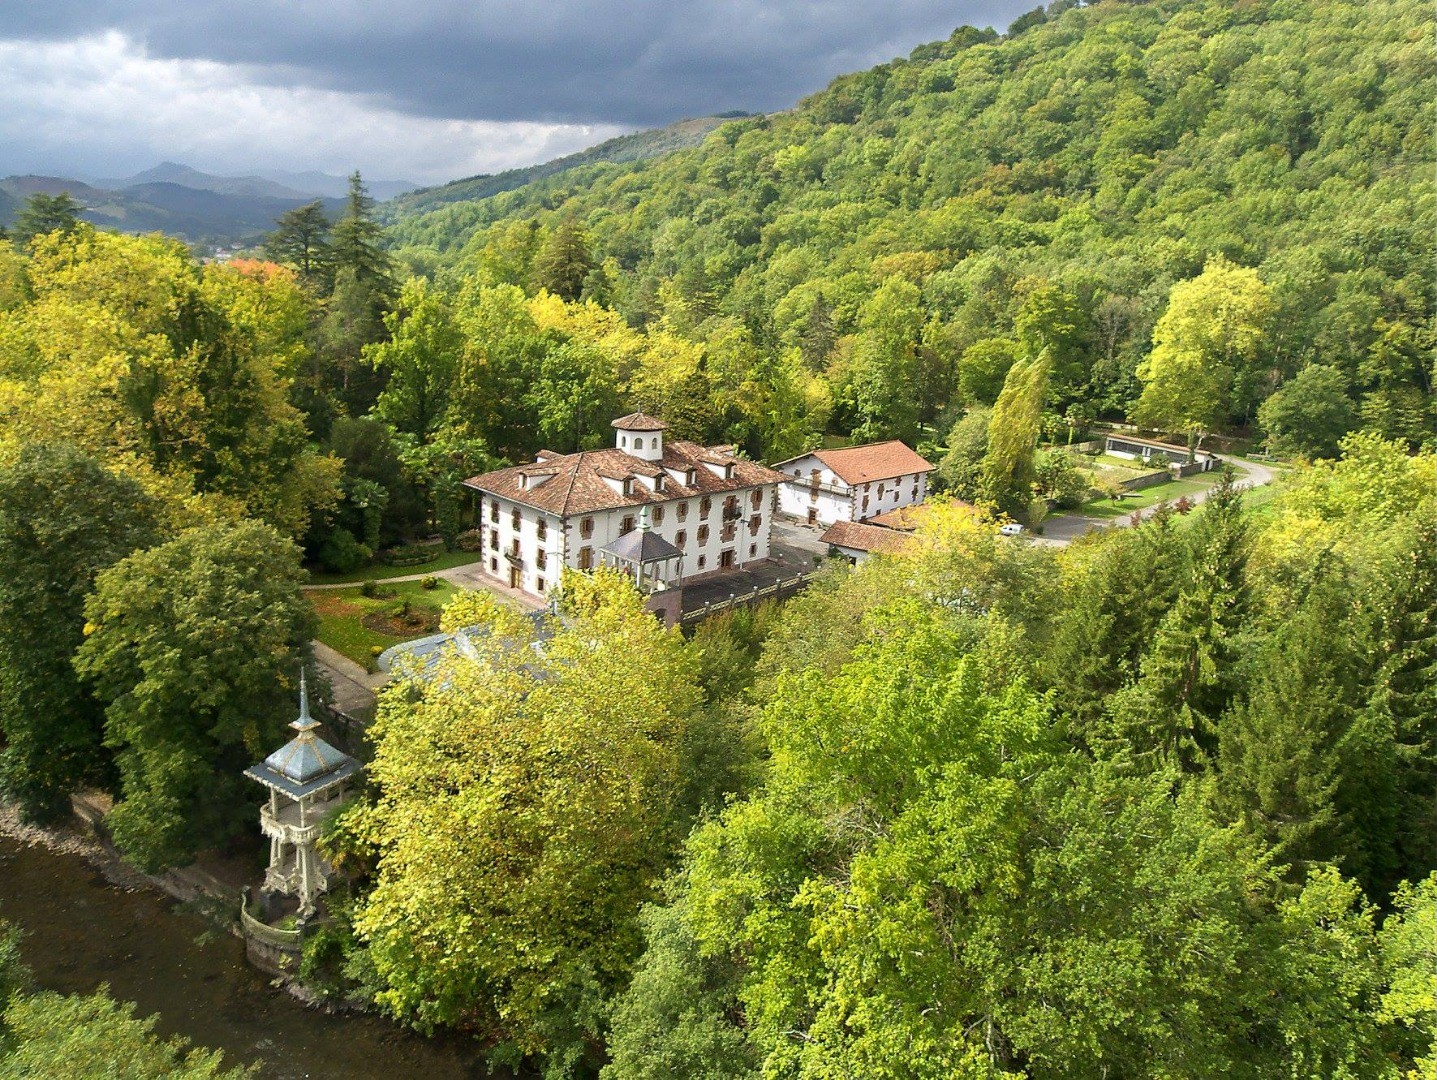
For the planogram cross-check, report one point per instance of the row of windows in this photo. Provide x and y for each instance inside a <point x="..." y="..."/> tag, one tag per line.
<point x="656" y="514"/>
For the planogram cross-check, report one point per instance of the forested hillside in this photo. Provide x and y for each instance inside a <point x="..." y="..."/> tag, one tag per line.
<point x="915" y="228"/>
<point x="635" y="147"/>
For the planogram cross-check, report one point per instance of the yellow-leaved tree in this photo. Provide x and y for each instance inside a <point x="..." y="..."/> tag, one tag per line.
<point x="1212" y="331"/>
<point x="526" y="808"/>
<point x="175" y="373"/>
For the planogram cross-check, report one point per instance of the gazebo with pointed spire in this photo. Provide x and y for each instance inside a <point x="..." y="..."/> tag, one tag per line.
<point x="307" y="780"/>
<point x="643" y="552"/>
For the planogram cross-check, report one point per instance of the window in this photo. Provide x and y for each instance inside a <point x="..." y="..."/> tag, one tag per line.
<point x="691" y="477"/>
<point x="729" y="530"/>
<point x="755" y="498"/>
<point x="493" y="566"/>
<point x="516" y="519"/>
<point x="659" y="482"/>
<point x="730" y="508"/>
<point x="703" y="535"/>
<point x="540" y="583"/>
<point x="586" y="558"/>
<point x="681" y="540"/>
<point x="628" y="485"/>
<point x="702" y="560"/>
<point x="705" y="505"/>
<point x="683" y="511"/>
<point x="638" y="444"/>
<point x="880" y="491"/>
<point x="658" y="515"/>
<point x="797" y="473"/>
<point x="627" y="525"/>
<point x="541" y="560"/>
<point x="494" y="510"/>
<point x="494" y="539"/>
<point x="586" y="528"/>
<point x="514" y="547"/>
<point x="728" y="470"/>
<point x="752" y="550"/>
<point x="754" y="523"/>
<point x="542" y="528"/>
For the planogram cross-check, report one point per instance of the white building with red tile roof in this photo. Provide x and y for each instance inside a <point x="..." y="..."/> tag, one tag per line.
<point x="857" y="540"/>
<point x="852" y="483"/>
<point x="712" y="506"/>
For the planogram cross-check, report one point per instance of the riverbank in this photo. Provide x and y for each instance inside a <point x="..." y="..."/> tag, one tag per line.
<point x="90" y="919"/>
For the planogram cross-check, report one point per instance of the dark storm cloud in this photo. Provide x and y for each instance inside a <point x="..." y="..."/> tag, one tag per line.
<point x="639" y="62"/>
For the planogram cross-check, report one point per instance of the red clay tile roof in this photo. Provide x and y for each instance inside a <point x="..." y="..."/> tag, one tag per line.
<point x="856" y="536"/>
<point x="905" y="518"/>
<point x="873" y="461"/>
<point x="578" y="485"/>
<point x="637" y="421"/>
<point x="876" y="461"/>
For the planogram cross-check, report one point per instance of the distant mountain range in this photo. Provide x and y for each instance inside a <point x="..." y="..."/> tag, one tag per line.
<point x="218" y="211"/>
<point x="203" y="209"/>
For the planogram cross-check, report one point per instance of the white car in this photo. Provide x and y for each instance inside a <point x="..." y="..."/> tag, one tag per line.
<point x="1011" y="529"/>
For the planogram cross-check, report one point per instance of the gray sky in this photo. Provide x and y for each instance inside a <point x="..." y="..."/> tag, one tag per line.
<point x="427" y="90"/>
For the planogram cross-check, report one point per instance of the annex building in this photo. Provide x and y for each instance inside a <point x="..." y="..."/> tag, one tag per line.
<point x="852" y="483"/>
<point x="667" y="509"/>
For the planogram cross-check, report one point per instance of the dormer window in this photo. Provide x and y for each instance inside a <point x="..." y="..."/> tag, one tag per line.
<point x="628" y="485"/>
<point x="691" y="477"/>
<point x="659" y="482"/>
<point x="728" y="470"/>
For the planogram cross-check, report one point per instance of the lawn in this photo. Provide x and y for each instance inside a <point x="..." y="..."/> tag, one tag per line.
<point x="443" y="560"/>
<point x="342" y="613"/>
<point x="1141" y="500"/>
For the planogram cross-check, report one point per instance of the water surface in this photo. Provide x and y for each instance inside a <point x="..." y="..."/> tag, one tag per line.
<point x="81" y="931"/>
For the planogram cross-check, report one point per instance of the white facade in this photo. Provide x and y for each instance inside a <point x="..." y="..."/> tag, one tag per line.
<point x="816" y="494"/>
<point x="525" y="547"/>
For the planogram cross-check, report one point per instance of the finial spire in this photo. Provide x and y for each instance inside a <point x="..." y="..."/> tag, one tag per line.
<point x="644" y="523"/>
<point x="305" y="721"/>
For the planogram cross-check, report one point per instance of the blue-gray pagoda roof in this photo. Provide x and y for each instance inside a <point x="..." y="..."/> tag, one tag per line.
<point x="642" y="546"/>
<point x="306" y="764"/>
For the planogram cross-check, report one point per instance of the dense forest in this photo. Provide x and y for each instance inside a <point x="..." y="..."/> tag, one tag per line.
<point x="912" y="230"/>
<point x="1158" y="803"/>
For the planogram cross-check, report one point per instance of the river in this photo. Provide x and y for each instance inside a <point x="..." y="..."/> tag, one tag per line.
<point x="82" y="931"/>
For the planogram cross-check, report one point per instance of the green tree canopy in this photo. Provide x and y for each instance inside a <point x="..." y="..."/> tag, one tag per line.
<point x="301" y="240"/>
<point x="529" y="796"/>
<point x="43" y="214"/>
<point x="195" y="646"/>
<point x="1309" y="415"/>
<point x="1214" y="325"/>
<point x="63" y="519"/>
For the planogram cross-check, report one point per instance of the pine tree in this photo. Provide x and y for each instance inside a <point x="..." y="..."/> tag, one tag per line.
<point x="301" y="240"/>
<point x="1280" y="749"/>
<point x="818" y="336"/>
<point x="1188" y="676"/>
<point x="43" y="214"/>
<point x="564" y="260"/>
<point x="1112" y="608"/>
<point x="356" y="242"/>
